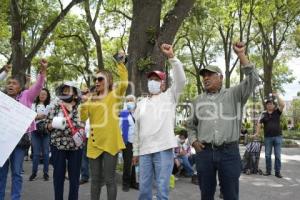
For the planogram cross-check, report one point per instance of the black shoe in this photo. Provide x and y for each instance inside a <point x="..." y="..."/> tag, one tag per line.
<point x="135" y="186"/>
<point x="195" y="179"/>
<point x="46" y="177"/>
<point x="278" y="175"/>
<point x="267" y="173"/>
<point x="125" y="188"/>
<point x="32" y="177"/>
<point x="83" y="181"/>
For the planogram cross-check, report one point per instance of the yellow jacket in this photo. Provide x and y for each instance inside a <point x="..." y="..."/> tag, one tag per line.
<point x="105" y="132"/>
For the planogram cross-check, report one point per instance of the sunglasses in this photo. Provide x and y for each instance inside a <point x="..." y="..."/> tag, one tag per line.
<point x="99" y="79"/>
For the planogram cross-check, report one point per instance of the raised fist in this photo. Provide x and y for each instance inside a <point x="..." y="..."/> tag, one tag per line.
<point x="44" y="65"/>
<point x="239" y="47"/>
<point x="167" y="49"/>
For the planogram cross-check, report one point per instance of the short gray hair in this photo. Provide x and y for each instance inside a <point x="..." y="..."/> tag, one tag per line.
<point x="130" y="96"/>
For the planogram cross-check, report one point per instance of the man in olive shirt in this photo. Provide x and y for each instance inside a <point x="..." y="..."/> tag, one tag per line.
<point x="270" y="119"/>
<point x="214" y="128"/>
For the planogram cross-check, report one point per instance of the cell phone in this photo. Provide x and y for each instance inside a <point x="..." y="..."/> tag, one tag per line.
<point x="119" y="59"/>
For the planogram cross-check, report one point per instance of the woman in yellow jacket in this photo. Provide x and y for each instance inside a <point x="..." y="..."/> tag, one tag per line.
<point x="105" y="139"/>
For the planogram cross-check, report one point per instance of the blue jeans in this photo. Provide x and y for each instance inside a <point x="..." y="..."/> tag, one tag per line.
<point x="184" y="161"/>
<point x="16" y="165"/>
<point x="159" y="165"/>
<point x="71" y="160"/>
<point x="40" y="143"/>
<point x="85" y="175"/>
<point x="276" y="143"/>
<point x="227" y="162"/>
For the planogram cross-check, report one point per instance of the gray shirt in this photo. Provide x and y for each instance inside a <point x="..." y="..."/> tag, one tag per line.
<point x="216" y="118"/>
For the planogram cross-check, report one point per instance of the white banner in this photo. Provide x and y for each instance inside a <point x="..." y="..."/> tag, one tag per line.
<point x="15" y="118"/>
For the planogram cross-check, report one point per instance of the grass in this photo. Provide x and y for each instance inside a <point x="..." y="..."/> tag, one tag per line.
<point x="291" y="134"/>
<point x="289" y="143"/>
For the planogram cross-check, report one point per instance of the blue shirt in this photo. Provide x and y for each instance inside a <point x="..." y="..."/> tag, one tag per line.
<point x="127" y="126"/>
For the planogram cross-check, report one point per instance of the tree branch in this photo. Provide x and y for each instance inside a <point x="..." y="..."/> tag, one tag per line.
<point x="97" y="11"/>
<point x="45" y="33"/>
<point x="173" y="19"/>
<point x="115" y="10"/>
<point x="189" y="71"/>
<point x="61" y="5"/>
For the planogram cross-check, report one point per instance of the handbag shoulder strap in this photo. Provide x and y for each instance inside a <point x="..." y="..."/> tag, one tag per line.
<point x="68" y="119"/>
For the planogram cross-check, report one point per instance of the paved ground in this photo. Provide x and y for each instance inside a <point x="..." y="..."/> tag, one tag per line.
<point x="251" y="187"/>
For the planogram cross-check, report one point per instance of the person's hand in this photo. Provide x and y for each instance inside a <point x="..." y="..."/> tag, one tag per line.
<point x="7" y="67"/>
<point x="253" y="136"/>
<point x="120" y="57"/>
<point x="43" y="65"/>
<point x="183" y="152"/>
<point x="49" y="126"/>
<point x="239" y="48"/>
<point x="274" y="94"/>
<point x="135" y="160"/>
<point x="85" y="97"/>
<point x="40" y="116"/>
<point x="198" y="146"/>
<point x="167" y="49"/>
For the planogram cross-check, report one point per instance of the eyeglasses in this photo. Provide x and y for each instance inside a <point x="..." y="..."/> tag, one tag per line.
<point x="99" y="79"/>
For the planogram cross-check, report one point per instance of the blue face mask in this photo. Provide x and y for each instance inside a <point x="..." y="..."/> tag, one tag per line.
<point x="130" y="106"/>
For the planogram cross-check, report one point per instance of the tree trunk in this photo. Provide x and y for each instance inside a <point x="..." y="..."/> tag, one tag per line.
<point x="143" y="32"/>
<point x="19" y="62"/>
<point x="199" y="88"/>
<point x="146" y="35"/>
<point x="268" y="68"/>
<point x="92" y="21"/>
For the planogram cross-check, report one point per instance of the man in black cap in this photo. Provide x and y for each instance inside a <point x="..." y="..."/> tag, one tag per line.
<point x="270" y="119"/>
<point x="214" y="128"/>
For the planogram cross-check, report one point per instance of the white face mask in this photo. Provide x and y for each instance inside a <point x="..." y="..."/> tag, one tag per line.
<point x="154" y="86"/>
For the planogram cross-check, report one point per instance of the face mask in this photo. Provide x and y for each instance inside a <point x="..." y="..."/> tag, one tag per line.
<point x="154" y="87"/>
<point x="130" y="105"/>
<point x="182" y="141"/>
<point x="67" y="98"/>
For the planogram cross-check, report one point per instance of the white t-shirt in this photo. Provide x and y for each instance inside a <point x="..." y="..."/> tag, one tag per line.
<point x="40" y="109"/>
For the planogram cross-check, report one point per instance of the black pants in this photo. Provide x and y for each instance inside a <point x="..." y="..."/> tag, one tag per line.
<point x="128" y="170"/>
<point x="60" y="160"/>
<point x="227" y="163"/>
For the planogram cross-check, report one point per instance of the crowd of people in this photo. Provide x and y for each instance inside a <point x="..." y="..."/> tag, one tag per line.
<point x="85" y="130"/>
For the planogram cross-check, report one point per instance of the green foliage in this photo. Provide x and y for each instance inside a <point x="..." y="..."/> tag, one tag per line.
<point x="177" y="129"/>
<point x="5" y="33"/>
<point x="198" y="42"/>
<point x="295" y="113"/>
<point x="151" y="32"/>
<point x="144" y="63"/>
<point x="281" y="72"/>
<point x="291" y="134"/>
<point x="284" y="122"/>
<point x="290" y="144"/>
<point x="297" y="36"/>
